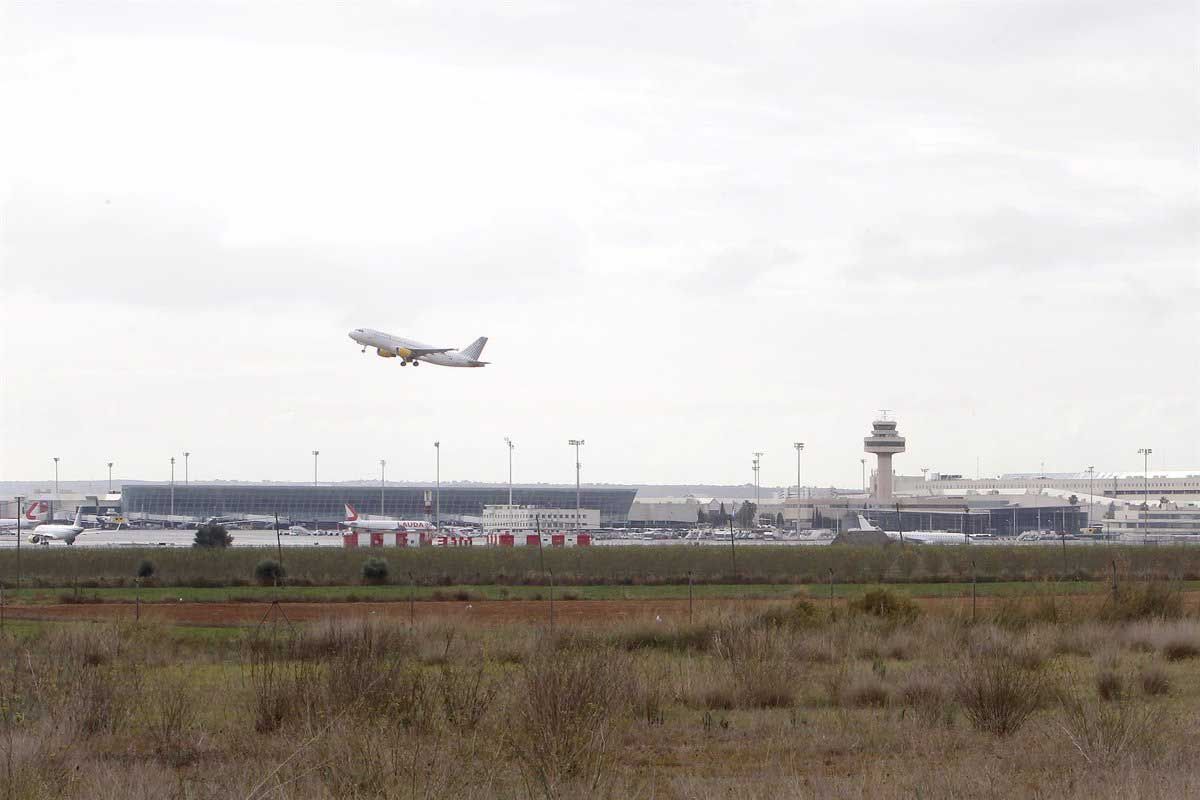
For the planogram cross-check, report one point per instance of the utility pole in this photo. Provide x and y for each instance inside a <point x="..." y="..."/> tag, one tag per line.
<point x="172" y="486"/>
<point x="577" y="443"/>
<point x="437" y="494"/>
<point x="315" y="453"/>
<point x="863" y="461"/>
<point x="55" y="479"/>
<point x="382" y="484"/>
<point x="510" y="444"/>
<point x="799" y="449"/>
<point x="186" y="454"/>
<point x="110" y="465"/>
<point x="1145" y="452"/>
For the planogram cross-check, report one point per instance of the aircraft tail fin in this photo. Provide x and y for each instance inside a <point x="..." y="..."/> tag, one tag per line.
<point x="475" y="349"/>
<point x="78" y="517"/>
<point x="37" y="509"/>
<point x="351" y="514"/>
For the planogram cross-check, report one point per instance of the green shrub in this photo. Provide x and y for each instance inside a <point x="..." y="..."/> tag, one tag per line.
<point x="375" y="570"/>
<point x="998" y="695"/>
<point x="886" y="605"/>
<point x="268" y="571"/>
<point x="798" y="615"/>
<point x="1153" y="600"/>
<point x="145" y="569"/>
<point x="212" y="536"/>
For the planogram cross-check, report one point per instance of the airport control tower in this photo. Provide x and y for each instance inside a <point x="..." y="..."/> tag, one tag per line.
<point x="884" y="441"/>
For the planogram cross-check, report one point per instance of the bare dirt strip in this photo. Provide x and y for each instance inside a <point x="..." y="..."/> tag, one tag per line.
<point x="482" y="611"/>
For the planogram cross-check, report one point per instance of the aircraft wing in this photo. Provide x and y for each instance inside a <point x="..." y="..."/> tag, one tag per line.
<point x="417" y="352"/>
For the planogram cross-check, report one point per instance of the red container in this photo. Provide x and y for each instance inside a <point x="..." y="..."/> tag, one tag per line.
<point x="349" y="540"/>
<point x="376" y="540"/>
<point x="401" y="539"/>
<point x="532" y="540"/>
<point x="584" y="539"/>
<point x="507" y="540"/>
<point x="558" y="540"/>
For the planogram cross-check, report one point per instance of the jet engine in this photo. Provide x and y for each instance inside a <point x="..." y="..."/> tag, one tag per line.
<point x="384" y="353"/>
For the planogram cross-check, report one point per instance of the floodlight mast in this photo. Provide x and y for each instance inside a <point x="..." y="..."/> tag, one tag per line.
<point x="799" y="449"/>
<point x="577" y="443"/>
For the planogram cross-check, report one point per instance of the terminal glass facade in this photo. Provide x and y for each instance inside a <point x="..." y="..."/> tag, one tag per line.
<point x="324" y="505"/>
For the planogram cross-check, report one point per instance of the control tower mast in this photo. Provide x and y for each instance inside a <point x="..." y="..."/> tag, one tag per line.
<point x="884" y="442"/>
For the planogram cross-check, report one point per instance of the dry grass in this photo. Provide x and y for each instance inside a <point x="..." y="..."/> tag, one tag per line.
<point x="779" y="704"/>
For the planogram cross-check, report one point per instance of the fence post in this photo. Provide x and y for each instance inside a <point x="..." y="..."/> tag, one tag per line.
<point x="974" y="578"/>
<point x="412" y="609"/>
<point x="551" y="573"/>
<point x="689" y="597"/>
<point x="137" y="600"/>
<point x="831" y="593"/>
<point x="1114" y="571"/>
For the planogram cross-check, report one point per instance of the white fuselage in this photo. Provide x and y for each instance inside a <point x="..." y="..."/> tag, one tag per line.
<point x="44" y="534"/>
<point x="356" y="523"/>
<point x="389" y="346"/>
<point x="921" y="537"/>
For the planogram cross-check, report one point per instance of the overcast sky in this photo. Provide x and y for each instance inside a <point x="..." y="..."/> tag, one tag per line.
<point x="692" y="231"/>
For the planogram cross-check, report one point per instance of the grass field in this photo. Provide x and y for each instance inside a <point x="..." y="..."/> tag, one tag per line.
<point x="877" y="699"/>
<point x="391" y="593"/>
<point x="628" y="566"/>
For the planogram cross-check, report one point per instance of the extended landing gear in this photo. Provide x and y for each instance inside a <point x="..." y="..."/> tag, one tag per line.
<point x="416" y="363"/>
<point x="404" y="363"/>
<point x="364" y="349"/>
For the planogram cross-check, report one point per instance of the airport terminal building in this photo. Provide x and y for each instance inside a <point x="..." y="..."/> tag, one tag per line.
<point x="324" y="506"/>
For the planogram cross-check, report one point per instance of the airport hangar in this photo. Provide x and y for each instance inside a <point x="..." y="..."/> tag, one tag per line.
<point x="324" y="506"/>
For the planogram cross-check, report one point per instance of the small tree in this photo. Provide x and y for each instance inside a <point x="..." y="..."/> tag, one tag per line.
<point x="746" y="515"/>
<point x="268" y="571"/>
<point x="723" y="515"/>
<point x="1112" y="511"/>
<point x="145" y="569"/>
<point x="1073" y="500"/>
<point x="212" y="536"/>
<point x="779" y="519"/>
<point x="701" y="517"/>
<point x="375" y="570"/>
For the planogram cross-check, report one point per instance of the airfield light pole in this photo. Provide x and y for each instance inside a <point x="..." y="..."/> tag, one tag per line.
<point x="382" y="483"/>
<point x="56" y="476"/>
<point x="863" y="461"/>
<point x="172" y="486"/>
<point x="1091" y="471"/>
<point x="437" y="508"/>
<point x="186" y="455"/>
<point x="20" y="502"/>
<point x="1145" y="452"/>
<point x="315" y="453"/>
<point x="576" y="443"/>
<point x="510" y="444"/>
<point x="799" y="449"/>
<point x="110" y="465"/>
<point x="757" y="500"/>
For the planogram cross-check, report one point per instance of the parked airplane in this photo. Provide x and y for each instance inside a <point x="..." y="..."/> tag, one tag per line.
<point x="413" y="352"/>
<point x="920" y="537"/>
<point x="45" y="533"/>
<point x="37" y="510"/>
<point x="355" y="523"/>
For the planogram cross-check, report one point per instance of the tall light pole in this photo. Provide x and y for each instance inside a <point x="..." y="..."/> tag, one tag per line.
<point x="510" y="444"/>
<point x="1145" y="452"/>
<point x="1091" y="471"/>
<point x="172" y="486"/>
<point x="20" y="502"/>
<point x="186" y="454"/>
<point x="437" y="508"/>
<point x="863" y="461"/>
<point x="576" y="443"/>
<point x="56" y="476"/>
<point x="757" y="501"/>
<point x="315" y="453"/>
<point x="382" y="483"/>
<point x="110" y="477"/>
<point x="799" y="449"/>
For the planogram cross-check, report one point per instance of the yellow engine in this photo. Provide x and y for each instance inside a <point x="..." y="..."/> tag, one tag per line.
<point x="404" y="352"/>
<point x="384" y="353"/>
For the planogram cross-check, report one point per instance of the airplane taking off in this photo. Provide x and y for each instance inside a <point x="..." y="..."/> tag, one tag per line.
<point x="413" y="352"/>
<point x="44" y="534"/>
<point x="34" y="514"/>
